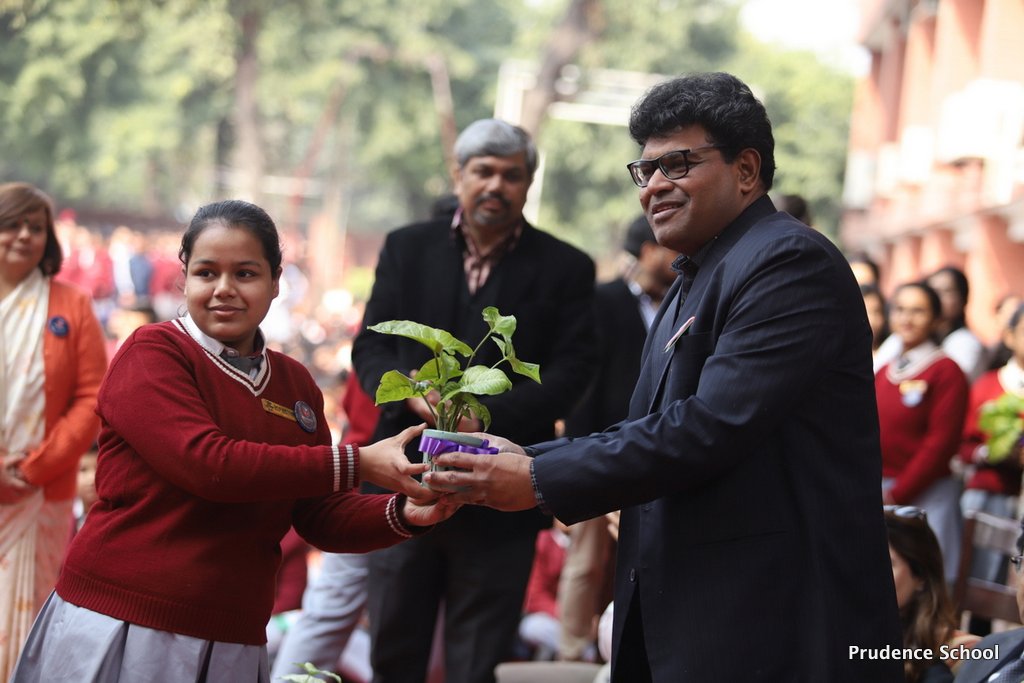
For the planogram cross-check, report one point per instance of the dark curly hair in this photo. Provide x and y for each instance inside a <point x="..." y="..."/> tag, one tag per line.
<point x="720" y="103"/>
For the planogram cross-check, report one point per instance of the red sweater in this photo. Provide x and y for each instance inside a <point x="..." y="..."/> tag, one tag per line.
<point x="921" y="420"/>
<point x="1001" y="478"/>
<point x="197" y="489"/>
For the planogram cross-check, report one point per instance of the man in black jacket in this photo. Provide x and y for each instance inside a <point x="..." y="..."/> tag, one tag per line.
<point x="443" y="274"/>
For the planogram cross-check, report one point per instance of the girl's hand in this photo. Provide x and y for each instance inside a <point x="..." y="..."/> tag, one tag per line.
<point x="428" y="513"/>
<point x="384" y="464"/>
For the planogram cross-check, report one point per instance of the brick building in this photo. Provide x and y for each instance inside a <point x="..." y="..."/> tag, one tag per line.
<point x="935" y="173"/>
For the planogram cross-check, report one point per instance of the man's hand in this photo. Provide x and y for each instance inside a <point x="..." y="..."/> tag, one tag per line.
<point x="384" y="463"/>
<point x="503" y="445"/>
<point x="500" y="481"/>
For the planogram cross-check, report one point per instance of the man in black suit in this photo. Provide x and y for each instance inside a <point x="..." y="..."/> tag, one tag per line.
<point x="625" y="308"/>
<point x="751" y="545"/>
<point x="1009" y="645"/>
<point x="443" y="273"/>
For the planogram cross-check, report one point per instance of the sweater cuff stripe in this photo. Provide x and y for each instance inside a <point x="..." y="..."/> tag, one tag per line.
<point x="352" y="460"/>
<point x="336" y="457"/>
<point x="391" y="513"/>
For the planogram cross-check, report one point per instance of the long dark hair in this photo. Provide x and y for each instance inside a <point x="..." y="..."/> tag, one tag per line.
<point x="929" y="619"/>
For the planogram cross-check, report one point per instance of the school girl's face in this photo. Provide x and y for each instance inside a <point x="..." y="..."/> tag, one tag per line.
<point x="911" y="317"/>
<point x="229" y="285"/>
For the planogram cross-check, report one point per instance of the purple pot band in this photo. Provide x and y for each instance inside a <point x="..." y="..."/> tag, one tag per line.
<point x="433" y="446"/>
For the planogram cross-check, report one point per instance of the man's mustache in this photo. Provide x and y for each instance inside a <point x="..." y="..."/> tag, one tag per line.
<point x="492" y="195"/>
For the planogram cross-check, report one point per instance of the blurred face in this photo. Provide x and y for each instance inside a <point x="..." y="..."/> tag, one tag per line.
<point x="229" y="285"/>
<point x="22" y="243"/>
<point x="876" y="316"/>
<point x="1006" y="309"/>
<point x="1014" y="340"/>
<point x="949" y="295"/>
<point x="911" y="317"/>
<point x="906" y="583"/>
<point x="656" y="263"/>
<point x="863" y="273"/>
<point x="492" y="192"/>
<point x="687" y="213"/>
<point x="87" y="479"/>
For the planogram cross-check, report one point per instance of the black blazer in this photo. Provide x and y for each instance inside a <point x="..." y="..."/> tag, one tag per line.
<point x="749" y="472"/>
<point x="545" y="283"/>
<point x="621" y="333"/>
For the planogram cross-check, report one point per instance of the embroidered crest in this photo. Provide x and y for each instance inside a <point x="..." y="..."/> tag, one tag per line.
<point x="912" y="392"/>
<point x="305" y="416"/>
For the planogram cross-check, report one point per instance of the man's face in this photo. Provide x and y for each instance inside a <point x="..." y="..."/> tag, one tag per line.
<point x="656" y="262"/>
<point x="688" y="212"/>
<point x="492" y="191"/>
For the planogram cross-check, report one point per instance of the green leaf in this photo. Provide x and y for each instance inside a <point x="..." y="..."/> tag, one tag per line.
<point x="505" y="325"/>
<point x="394" y="386"/>
<point x="521" y="367"/>
<point x="434" y="339"/>
<point x="1001" y="420"/>
<point x="311" y="674"/>
<point x="479" y="410"/>
<point x="480" y="380"/>
<point x="449" y="369"/>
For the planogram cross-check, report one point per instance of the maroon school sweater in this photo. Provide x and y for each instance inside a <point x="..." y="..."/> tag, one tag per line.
<point x="198" y="482"/>
<point x="921" y="419"/>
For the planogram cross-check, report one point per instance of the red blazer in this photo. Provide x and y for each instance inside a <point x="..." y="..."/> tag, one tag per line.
<point x="75" y="359"/>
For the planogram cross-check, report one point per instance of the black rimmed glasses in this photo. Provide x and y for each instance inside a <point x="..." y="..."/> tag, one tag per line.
<point x="674" y="165"/>
<point x="1016" y="561"/>
<point x="906" y="511"/>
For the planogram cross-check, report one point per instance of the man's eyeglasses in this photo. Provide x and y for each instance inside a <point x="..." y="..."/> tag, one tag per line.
<point x="906" y="511"/>
<point x="674" y="165"/>
<point x="1016" y="561"/>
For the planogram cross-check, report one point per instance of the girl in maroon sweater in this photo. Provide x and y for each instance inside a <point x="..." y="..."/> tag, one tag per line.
<point x="922" y="400"/>
<point x="211" y="447"/>
<point x="993" y="487"/>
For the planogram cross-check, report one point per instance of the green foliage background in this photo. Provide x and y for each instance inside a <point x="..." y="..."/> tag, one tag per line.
<point x="129" y="103"/>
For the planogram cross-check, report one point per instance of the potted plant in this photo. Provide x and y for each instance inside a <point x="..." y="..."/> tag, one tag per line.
<point x="457" y="383"/>
<point x="1002" y="420"/>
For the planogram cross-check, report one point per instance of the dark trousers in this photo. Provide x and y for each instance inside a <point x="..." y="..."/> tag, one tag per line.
<point x="632" y="665"/>
<point x="481" y="578"/>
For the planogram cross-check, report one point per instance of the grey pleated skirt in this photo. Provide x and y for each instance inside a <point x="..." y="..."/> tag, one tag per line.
<point x="71" y="643"/>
